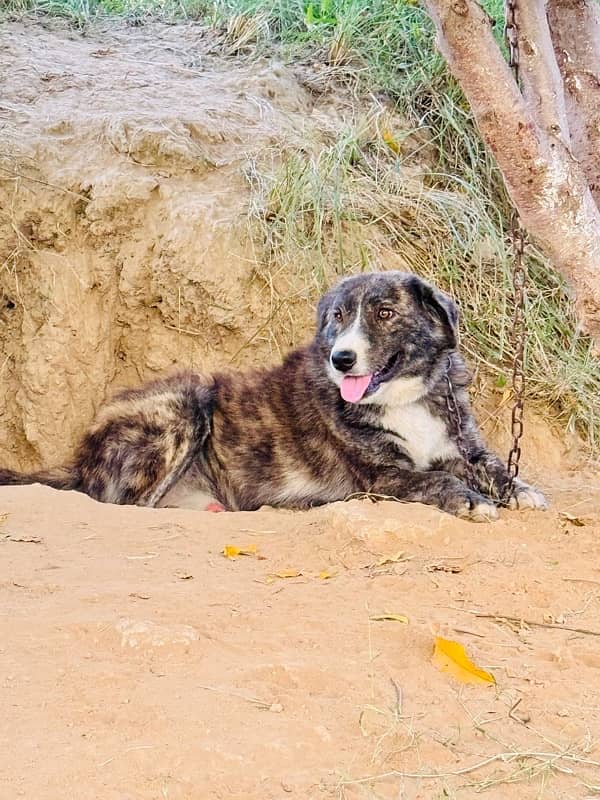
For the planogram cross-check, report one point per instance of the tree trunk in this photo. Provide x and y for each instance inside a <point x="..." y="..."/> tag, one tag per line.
<point x="575" y="27"/>
<point x="545" y="183"/>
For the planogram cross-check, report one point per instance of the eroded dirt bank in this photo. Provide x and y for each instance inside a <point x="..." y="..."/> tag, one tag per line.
<point x="123" y="228"/>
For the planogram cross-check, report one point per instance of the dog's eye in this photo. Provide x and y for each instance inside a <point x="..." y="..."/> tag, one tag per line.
<point x="385" y="313"/>
<point x="337" y="315"/>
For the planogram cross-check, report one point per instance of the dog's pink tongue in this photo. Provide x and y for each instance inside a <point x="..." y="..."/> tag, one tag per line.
<point x="354" y="386"/>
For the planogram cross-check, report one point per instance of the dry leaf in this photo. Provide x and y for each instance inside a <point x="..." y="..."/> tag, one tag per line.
<point x="286" y="573"/>
<point x="579" y="522"/>
<point x="450" y="657"/>
<point x="325" y="574"/>
<point x="454" y="568"/>
<point x="393" y="617"/>
<point x="393" y="559"/>
<point x="232" y="552"/>
<point x="400" y="556"/>
<point x="391" y="142"/>
<point x="3" y="517"/>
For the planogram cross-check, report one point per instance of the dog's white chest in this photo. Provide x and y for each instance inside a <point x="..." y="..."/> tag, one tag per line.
<point x="422" y="435"/>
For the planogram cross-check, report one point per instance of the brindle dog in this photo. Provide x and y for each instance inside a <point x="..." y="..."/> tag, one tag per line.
<point x="362" y="409"/>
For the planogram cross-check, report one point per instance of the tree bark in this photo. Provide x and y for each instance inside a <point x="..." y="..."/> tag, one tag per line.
<point x="545" y="183"/>
<point x="540" y="74"/>
<point x="575" y="28"/>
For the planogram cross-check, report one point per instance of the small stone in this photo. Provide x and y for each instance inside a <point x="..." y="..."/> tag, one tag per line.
<point x="276" y="708"/>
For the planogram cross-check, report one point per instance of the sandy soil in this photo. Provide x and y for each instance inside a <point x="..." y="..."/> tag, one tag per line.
<point x="138" y="662"/>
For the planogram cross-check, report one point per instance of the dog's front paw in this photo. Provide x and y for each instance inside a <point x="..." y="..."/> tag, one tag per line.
<point x="525" y="496"/>
<point x="477" y="508"/>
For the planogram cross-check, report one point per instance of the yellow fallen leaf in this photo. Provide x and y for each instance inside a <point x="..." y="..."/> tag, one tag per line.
<point x="325" y="575"/>
<point x="450" y="657"/>
<point x="232" y="552"/>
<point x="390" y="141"/>
<point x="579" y="522"/>
<point x="393" y="617"/>
<point x="286" y="573"/>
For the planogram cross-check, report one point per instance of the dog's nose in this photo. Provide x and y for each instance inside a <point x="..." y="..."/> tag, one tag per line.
<point x="343" y="360"/>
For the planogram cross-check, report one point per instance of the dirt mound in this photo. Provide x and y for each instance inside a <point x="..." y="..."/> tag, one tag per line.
<point x="123" y="231"/>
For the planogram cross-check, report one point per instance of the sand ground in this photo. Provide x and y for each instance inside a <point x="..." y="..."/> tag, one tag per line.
<point x="139" y="662"/>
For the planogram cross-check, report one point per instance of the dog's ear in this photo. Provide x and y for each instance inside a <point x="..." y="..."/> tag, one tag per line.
<point x="438" y="304"/>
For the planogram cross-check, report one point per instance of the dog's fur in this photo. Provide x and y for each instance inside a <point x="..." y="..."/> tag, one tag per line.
<point x="286" y="437"/>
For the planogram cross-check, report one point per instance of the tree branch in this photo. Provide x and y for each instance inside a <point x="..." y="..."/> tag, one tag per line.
<point x="575" y="31"/>
<point x="544" y="182"/>
<point x="542" y="81"/>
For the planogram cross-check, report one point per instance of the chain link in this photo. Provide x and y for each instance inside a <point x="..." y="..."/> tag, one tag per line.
<point x="519" y="338"/>
<point x="519" y="332"/>
<point x="511" y="35"/>
<point x="519" y="278"/>
<point x="456" y="420"/>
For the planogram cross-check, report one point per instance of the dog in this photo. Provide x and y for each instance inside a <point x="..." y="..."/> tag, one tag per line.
<point x="376" y="404"/>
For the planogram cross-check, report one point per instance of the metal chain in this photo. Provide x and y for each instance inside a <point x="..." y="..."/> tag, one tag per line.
<point x="519" y="338"/>
<point x="519" y="333"/>
<point x="456" y="420"/>
<point x="511" y="36"/>
<point x="519" y="277"/>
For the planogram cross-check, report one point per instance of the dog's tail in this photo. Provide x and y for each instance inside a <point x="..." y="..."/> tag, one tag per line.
<point x="59" y="478"/>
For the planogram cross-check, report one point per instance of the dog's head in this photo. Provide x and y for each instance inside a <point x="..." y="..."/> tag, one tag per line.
<point x="380" y="335"/>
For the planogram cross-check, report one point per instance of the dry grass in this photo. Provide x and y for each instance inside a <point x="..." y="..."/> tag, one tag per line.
<point x="396" y="736"/>
<point x="355" y="204"/>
